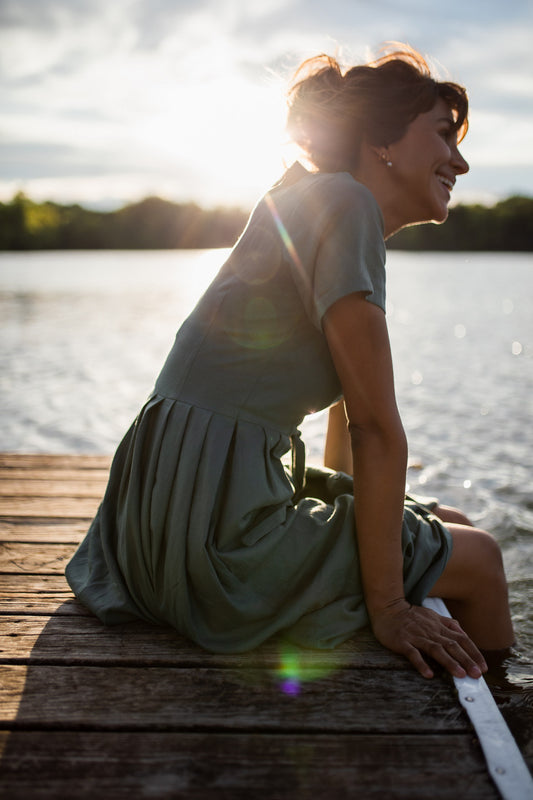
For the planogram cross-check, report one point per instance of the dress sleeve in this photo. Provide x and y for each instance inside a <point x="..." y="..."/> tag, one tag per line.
<point x="350" y="254"/>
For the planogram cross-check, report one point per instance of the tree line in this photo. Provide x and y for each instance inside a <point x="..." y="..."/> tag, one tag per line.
<point x="506" y="226"/>
<point x="154" y="223"/>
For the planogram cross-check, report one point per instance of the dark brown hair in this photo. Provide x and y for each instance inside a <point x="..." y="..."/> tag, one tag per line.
<point x="332" y="111"/>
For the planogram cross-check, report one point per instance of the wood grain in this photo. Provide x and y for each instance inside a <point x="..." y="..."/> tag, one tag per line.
<point x="37" y="559"/>
<point x="239" y="766"/>
<point x="170" y="698"/>
<point x="52" y="507"/>
<point x="65" y="639"/>
<point x="54" y="461"/>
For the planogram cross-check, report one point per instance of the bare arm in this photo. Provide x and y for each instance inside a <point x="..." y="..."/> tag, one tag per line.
<point x="338" y="447"/>
<point x="358" y="340"/>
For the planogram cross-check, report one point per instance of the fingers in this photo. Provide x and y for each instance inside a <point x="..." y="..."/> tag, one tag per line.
<point x="415" y="632"/>
<point x="442" y="656"/>
<point x="459" y="656"/>
<point x="447" y="644"/>
<point x="470" y="657"/>
<point x="415" y="657"/>
<point x="454" y="659"/>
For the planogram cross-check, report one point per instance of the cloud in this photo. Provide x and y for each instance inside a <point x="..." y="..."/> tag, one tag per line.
<point x="148" y="91"/>
<point x="34" y="14"/>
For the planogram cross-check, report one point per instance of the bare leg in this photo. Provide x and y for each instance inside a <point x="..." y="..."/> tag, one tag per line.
<point x="474" y="588"/>
<point x="449" y="514"/>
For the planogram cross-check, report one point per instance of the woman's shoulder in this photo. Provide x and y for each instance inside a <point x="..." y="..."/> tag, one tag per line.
<point x="341" y="189"/>
<point x="334" y="189"/>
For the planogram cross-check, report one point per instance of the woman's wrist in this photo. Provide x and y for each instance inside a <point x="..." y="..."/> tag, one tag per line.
<point x="377" y="608"/>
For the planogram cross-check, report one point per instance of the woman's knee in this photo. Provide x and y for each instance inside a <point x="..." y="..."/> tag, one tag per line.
<point x="453" y="515"/>
<point x="486" y="552"/>
<point x="490" y="553"/>
<point x="475" y="565"/>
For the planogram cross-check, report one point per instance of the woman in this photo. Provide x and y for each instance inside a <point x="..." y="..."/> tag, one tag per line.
<point x="203" y="526"/>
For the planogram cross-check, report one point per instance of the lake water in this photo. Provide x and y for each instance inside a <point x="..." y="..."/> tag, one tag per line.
<point x="84" y="334"/>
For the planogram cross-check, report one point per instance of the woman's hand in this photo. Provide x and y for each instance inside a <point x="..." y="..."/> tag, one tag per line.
<point x="413" y="630"/>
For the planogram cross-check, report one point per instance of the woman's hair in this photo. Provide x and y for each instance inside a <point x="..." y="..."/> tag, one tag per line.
<point x="332" y="111"/>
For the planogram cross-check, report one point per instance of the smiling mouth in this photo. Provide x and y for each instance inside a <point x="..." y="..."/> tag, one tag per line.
<point x="446" y="182"/>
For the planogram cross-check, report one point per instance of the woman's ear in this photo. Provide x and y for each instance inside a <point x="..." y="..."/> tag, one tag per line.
<point x="378" y="154"/>
<point x="383" y="155"/>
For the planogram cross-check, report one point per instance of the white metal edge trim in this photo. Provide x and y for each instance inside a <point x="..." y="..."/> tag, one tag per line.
<point x="506" y="765"/>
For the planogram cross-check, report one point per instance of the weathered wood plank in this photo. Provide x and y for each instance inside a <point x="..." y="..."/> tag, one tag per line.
<point x="53" y="507"/>
<point x="38" y="594"/>
<point x="44" y="604"/>
<point x="32" y="487"/>
<point x="171" y="699"/>
<point x="35" y="558"/>
<point x="238" y="766"/>
<point x="50" y="473"/>
<point x="55" y="460"/>
<point x="85" y="640"/>
<point x="65" y="531"/>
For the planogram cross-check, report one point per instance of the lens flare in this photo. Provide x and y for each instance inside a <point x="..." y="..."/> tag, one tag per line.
<point x="290" y="686"/>
<point x="286" y="239"/>
<point x="283" y="232"/>
<point x="289" y="673"/>
<point x="297" y="667"/>
<point x="259" y="325"/>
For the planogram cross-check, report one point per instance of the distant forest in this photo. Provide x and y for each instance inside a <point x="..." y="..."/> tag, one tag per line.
<point x="155" y="223"/>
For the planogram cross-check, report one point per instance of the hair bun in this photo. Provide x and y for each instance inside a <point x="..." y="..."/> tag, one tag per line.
<point x="313" y="101"/>
<point x="332" y="111"/>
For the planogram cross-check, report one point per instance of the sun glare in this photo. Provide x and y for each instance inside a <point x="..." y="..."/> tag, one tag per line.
<point x="229" y="131"/>
<point x="197" y="119"/>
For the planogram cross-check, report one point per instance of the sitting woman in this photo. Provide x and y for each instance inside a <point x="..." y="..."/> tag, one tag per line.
<point x="203" y="525"/>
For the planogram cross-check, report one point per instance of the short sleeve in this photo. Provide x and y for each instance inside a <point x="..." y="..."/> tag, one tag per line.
<point x="350" y="255"/>
<point x="332" y="232"/>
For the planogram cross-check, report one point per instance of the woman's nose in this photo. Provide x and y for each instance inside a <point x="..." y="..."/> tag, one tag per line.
<point x="460" y="164"/>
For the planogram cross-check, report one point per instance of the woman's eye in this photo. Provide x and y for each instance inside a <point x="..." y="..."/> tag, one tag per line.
<point x="448" y="134"/>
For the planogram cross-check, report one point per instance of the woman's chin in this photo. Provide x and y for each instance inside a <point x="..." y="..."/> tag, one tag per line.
<point x="440" y="215"/>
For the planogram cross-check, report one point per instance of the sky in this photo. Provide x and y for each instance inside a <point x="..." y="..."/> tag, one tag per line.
<point x="105" y="102"/>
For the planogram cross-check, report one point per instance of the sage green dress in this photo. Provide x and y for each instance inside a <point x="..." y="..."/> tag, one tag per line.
<point x="204" y="524"/>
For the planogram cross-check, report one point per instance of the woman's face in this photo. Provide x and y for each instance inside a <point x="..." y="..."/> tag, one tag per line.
<point x="425" y="165"/>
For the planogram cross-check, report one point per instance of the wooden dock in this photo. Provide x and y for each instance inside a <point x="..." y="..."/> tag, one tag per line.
<point x="136" y="711"/>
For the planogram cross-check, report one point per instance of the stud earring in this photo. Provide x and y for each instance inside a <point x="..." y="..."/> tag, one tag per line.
<point x="386" y="159"/>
